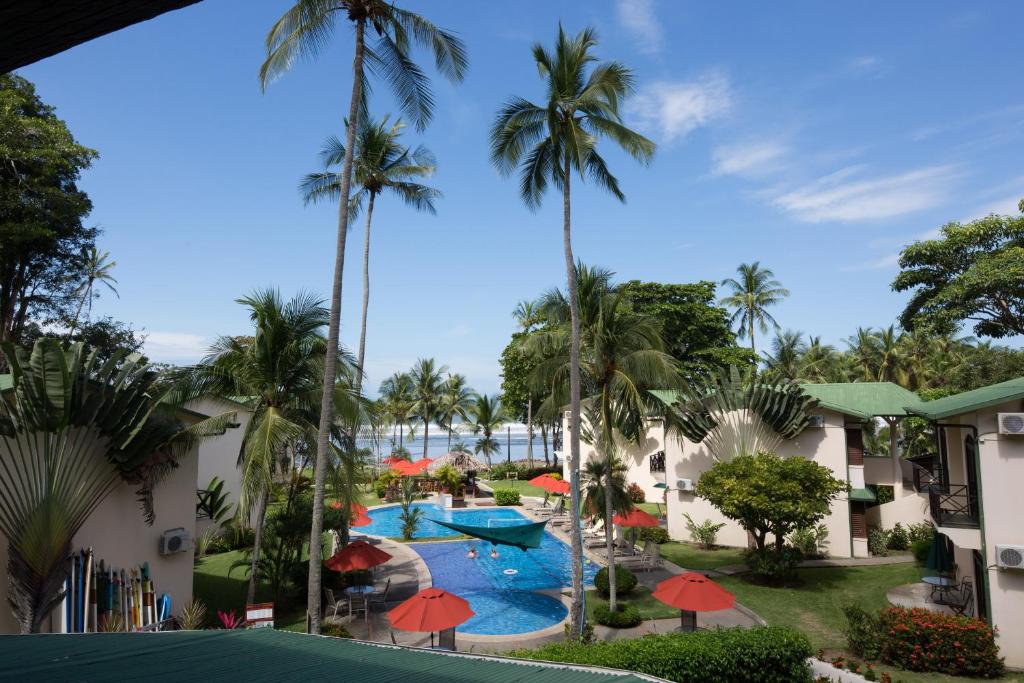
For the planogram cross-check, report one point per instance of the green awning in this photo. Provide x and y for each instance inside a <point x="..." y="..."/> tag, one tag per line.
<point x="522" y="536"/>
<point x="661" y="485"/>
<point x="863" y="496"/>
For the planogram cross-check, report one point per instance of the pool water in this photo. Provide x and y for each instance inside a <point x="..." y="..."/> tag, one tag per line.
<point x="504" y="601"/>
<point x="386" y="521"/>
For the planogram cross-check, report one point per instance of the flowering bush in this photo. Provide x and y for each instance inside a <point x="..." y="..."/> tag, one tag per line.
<point x="635" y="493"/>
<point x="920" y="640"/>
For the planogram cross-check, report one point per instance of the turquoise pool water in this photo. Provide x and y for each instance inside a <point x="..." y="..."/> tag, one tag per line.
<point x="386" y="522"/>
<point x="502" y="591"/>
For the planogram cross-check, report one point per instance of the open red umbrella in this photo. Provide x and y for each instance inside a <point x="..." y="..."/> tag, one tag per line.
<point x="636" y="517"/>
<point x="359" y="519"/>
<point x="406" y="468"/>
<point x="692" y="592"/>
<point x="432" y="609"/>
<point x="541" y="481"/>
<point x="560" y="486"/>
<point x="356" y="507"/>
<point x="357" y="555"/>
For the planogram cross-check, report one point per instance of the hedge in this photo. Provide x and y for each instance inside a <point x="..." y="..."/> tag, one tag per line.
<point x="921" y="640"/>
<point x="506" y="496"/>
<point x="768" y="654"/>
<point x="625" y="581"/>
<point x="624" y="616"/>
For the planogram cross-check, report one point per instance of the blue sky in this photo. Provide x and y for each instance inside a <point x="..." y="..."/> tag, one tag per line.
<point x="815" y="137"/>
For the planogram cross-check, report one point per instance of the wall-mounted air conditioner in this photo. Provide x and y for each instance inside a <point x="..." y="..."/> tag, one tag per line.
<point x="175" y="541"/>
<point x="816" y="421"/>
<point x="1010" y="556"/>
<point x="684" y="484"/>
<point x="1011" y="423"/>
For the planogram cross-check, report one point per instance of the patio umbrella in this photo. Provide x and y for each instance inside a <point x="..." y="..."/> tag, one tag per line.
<point x="690" y="593"/>
<point x="542" y="481"/>
<point x="406" y="468"/>
<point x="432" y="609"/>
<point x="357" y="555"/>
<point x="359" y="519"/>
<point x="938" y="555"/>
<point x="355" y="507"/>
<point x="636" y="517"/>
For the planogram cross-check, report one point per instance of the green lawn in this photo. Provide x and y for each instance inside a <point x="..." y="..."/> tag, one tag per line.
<point x="220" y="591"/>
<point x="651" y="508"/>
<point x="523" y="487"/>
<point x="690" y="556"/>
<point x="639" y="597"/>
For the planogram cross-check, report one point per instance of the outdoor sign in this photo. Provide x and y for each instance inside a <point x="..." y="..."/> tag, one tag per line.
<point x="260" y="615"/>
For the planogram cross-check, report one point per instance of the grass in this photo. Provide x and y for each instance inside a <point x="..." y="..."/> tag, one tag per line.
<point x="691" y="556"/>
<point x="523" y="487"/>
<point x="640" y="597"/>
<point x="651" y="508"/>
<point x="218" y="590"/>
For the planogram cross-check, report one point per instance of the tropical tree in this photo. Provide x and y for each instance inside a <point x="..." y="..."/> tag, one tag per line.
<point x="595" y="481"/>
<point x="547" y="142"/>
<point x="66" y="419"/>
<point x="456" y="398"/>
<point x="98" y="269"/>
<point x="753" y="291"/>
<point x="397" y="398"/>
<point x="382" y="164"/>
<point x="303" y="31"/>
<point x="279" y="369"/>
<point x="785" y="358"/>
<point x="428" y="393"/>
<point x="485" y="416"/>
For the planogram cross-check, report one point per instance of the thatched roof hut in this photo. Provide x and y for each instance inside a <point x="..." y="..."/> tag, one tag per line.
<point x="462" y="462"/>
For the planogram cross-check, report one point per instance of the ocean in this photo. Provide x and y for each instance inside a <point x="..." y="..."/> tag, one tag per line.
<point x="512" y="440"/>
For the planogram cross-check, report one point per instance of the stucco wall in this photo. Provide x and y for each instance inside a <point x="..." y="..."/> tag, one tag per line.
<point x="635" y="457"/>
<point x="218" y="456"/>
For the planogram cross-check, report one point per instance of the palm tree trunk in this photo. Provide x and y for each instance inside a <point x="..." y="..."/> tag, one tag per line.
<point x="78" y="313"/>
<point x="313" y="598"/>
<point x="751" y="332"/>
<point x="426" y="435"/>
<point x="261" y="513"/>
<point x="609" y="511"/>
<point x="401" y="436"/>
<point x="366" y="293"/>
<point x="544" y="438"/>
<point x="529" y="432"/>
<point x="576" y="615"/>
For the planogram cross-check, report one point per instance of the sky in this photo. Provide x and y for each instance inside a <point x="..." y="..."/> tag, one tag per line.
<point x="816" y="138"/>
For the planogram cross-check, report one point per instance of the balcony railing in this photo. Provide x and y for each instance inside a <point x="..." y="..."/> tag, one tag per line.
<point x="658" y="462"/>
<point x="954" y="506"/>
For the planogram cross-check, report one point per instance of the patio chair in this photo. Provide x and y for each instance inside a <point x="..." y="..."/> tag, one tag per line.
<point x="380" y="598"/>
<point x="333" y="603"/>
<point x="651" y="559"/>
<point x="961" y="600"/>
<point x="446" y="639"/>
<point x="543" y="504"/>
<point x="557" y="509"/>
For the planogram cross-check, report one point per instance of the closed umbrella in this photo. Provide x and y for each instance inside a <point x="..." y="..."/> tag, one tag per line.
<point x="432" y="609"/>
<point x="691" y="592"/>
<point x="357" y="555"/>
<point x="938" y="555"/>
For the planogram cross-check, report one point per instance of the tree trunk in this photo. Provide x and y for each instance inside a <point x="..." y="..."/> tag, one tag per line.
<point x="78" y="313"/>
<point x="366" y="294"/>
<point x="401" y="435"/>
<point x="576" y="614"/>
<point x="544" y="438"/>
<point x="313" y="597"/>
<point x="605" y="441"/>
<point x="426" y="435"/>
<point x="750" y="326"/>
<point x="261" y="513"/>
<point x="529" y="433"/>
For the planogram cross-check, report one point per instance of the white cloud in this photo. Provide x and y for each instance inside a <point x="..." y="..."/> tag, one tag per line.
<point x="638" y="18"/>
<point x="175" y="347"/>
<point x="1007" y="206"/>
<point x="846" y="196"/>
<point x="888" y="261"/>
<point x="674" y="109"/>
<point x="747" y="158"/>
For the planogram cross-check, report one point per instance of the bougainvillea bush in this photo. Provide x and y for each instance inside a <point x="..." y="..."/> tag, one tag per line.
<point x="920" y="640"/>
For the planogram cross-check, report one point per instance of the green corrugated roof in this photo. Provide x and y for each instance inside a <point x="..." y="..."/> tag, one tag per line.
<point x="969" y="401"/>
<point x="863" y="495"/>
<point x="6" y="382"/>
<point x="265" y="655"/>
<point x="863" y="399"/>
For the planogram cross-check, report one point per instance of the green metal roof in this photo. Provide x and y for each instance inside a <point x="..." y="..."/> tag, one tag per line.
<point x="864" y="399"/>
<point x="6" y="382"/>
<point x="969" y="401"/>
<point x="266" y="655"/>
<point x="863" y="495"/>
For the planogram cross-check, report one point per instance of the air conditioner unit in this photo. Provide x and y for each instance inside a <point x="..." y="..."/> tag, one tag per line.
<point x="1011" y="423"/>
<point x="175" y="541"/>
<point x="816" y="421"/>
<point x="684" y="484"/>
<point x="1010" y="556"/>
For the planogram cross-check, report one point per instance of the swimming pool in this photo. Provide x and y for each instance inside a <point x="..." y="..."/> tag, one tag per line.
<point x="386" y="522"/>
<point x="502" y="591"/>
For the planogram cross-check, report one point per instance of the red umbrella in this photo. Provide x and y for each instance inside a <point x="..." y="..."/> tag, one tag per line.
<point x="357" y="555"/>
<point x="541" y="481"/>
<point x="356" y="507"/>
<point x="560" y="486"/>
<point x="432" y="609"/>
<point x="406" y="468"/>
<point x="692" y="592"/>
<point x="636" y="517"/>
<point x="359" y="519"/>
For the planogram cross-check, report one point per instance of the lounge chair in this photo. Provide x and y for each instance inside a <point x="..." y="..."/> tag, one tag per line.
<point x="651" y="559"/>
<point x="596" y="530"/>
<point x="333" y="603"/>
<point x="543" y="505"/>
<point x="557" y="509"/>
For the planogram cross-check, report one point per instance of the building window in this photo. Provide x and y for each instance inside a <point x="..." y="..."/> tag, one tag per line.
<point x="658" y="462"/>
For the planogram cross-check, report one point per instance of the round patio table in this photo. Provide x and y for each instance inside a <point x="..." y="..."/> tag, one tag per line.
<point x="358" y="590"/>
<point x="941" y="584"/>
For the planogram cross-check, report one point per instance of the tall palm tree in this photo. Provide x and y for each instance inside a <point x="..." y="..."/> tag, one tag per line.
<point x="595" y="477"/>
<point x="752" y="293"/>
<point x="428" y="392"/>
<point x="98" y="270"/>
<point x="527" y="315"/>
<point x="381" y="164"/>
<point x="396" y="393"/>
<point x="547" y="143"/>
<point x="304" y="30"/>
<point x="784" y="361"/>
<point x="818" y="362"/>
<point x="456" y="398"/>
<point x="485" y="416"/>
<point x="864" y="350"/>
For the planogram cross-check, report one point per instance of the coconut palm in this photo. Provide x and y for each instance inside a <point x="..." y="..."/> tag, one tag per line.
<point x="304" y="30"/>
<point x="428" y="393"/>
<point x="396" y="395"/>
<point x="456" y="398"/>
<point x="864" y="350"/>
<point x="485" y="416"/>
<point x="595" y="481"/>
<point x="98" y="269"/>
<point x="527" y="315"/>
<point x="279" y="369"/>
<point x="66" y="418"/>
<point x="784" y="361"/>
<point x="382" y="164"/>
<point x="547" y="142"/>
<point x="752" y="293"/>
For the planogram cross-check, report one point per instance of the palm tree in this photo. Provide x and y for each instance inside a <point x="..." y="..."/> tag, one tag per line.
<point x="595" y="477"/>
<point x="381" y="164"/>
<point x="279" y="369"/>
<point x="485" y="416"/>
<point x="456" y="398"/>
<point x="787" y="351"/>
<point x="427" y="388"/>
<point x="819" y="362"/>
<point x="527" y="315"/>
<point x="98" y="269"/>
<point x="396" y="393"/>
<point x="864" y="350"/>
<point x="547" y="143"/>
<point x="303" y="31"/>
<point x="752" y="293"/>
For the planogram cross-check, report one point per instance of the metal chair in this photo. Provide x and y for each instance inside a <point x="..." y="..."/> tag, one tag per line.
<point x="333" y="602"/>
<point x="379" y="598"/>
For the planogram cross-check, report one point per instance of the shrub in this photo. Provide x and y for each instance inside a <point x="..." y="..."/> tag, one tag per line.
<point x="635" y="493"/>
<point x="657" y="534"/>
<point x="586" y="638"/>
<point x="625" y="616"/>
<point x="922" y="531"/>
<point x="810" y="541"/>
<point x="555" y="471"/>
<point x="878" y="541"/>
<point x="773" y="565"/>
<point x="899" y="538"/>
<point x="334" y="630"/>
<point x="503" y="469"/>
<point x="862" y="630"/>
<point x="625" y="581"/>
<point x="920" y="640"/>
<point x="770" y="654"/>
<point x="921" y="548"/>
<point x="385" y="481"/>
<point x="884" y="493"/>
<point x="506" y="496"/>
<point x="705" y="533"/>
